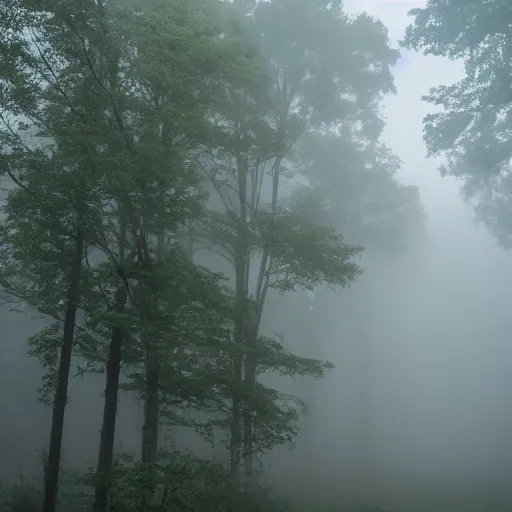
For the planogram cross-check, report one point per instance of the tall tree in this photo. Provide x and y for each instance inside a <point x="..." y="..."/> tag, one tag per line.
<point x="324" y="78"/>
<point x="335" y="71"/>
<point x="472" y="129"/>
<point x="84" y="81"/>
<point x="100" y="67"/>
<point x="38" y="156"/>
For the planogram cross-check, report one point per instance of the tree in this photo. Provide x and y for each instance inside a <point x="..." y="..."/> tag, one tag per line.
<point x="45" y="229"/>
<point x="317" y="80"/>
<point x="102" y="66"/>
<point x="472" y="128"/>
<point x="352" y="186"/>
<point x="122" y="105"/>
<point x="68" y="79"/>
<point x="175" y="326"/>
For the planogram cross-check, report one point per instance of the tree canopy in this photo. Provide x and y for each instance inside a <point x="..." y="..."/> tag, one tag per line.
<point x="473" y="123"/>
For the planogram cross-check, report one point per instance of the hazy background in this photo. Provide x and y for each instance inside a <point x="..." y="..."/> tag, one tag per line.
<point x="420" y="400"/>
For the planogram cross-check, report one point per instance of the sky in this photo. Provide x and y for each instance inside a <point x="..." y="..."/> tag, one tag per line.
<point x="450" y="219"/>
<point x="415" y="74"/>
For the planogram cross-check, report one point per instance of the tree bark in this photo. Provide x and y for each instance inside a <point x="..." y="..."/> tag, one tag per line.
<point x="239" y="337"/>
<point x="150" y="434"/>
<point x="236" y="416"/>
<point x="251" y="358"/>
<point x="61" y="391"/>
<point x="151" y="413"/>
<point x="241" y="273"/>
<point x="248" y="424"/>
<point x="108" y="430"/>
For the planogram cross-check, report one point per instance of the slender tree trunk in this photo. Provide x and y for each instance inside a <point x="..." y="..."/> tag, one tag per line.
<point x="241" y="270"/>
<point x="251" y="359"/>
<point x="236" y="416"/>
<point x="151" y="413"/>
<point x="61" y="392"/>
<point x="108" y="430"/>
<point x="152" y="399"/>
<point x="150" y="435"/>
<point x="240" y="331"/>
<point x="236" y="400"/>
<point x="248" y="423"/>
<point x="190" y="243"/>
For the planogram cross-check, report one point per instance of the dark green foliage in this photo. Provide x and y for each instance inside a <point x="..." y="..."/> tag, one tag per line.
<point x="19" y="498"/>
<point x="305" y="254"/>
<point x="119" y="120"/>
<point x="183" y="483"/>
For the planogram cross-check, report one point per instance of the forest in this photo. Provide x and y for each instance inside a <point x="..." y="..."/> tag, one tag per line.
<point x="182" y="182"/>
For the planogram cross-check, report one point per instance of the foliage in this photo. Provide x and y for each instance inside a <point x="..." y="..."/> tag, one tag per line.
<point x="305" y="254"/>
<point x="317" y="79"/>
<point x="472" y="127"/>
<point x="19" y="498"/>
<point x="184" y="483"/>
<point x="336" y="69"/>
<point x="119" y="120"/>
<point x="352" y="186"/>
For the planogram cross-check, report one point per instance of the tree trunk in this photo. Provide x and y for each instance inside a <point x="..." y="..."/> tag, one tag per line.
<point x="251" y="358"/>
<point x="239" y="337"/>
<point x="250" y="379"/>
<point x="236" y="399"/>
<point x="108" y="429"/>
<point x="151" y="414"/>
<point x="236" y="416"/>
<point x="241" y="272"/>
<point x="152" y="399"/>
<point x="61" y="391"/>
<point x="150" y="428"/>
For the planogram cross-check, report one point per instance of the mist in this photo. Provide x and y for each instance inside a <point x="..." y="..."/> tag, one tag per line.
<point x="416" y="415"/>
<point x="418" y="409"/>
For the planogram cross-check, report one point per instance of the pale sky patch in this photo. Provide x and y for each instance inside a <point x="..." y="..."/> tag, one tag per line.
<point x="414" y="76"/>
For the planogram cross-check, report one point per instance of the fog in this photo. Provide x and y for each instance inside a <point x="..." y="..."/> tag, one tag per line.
<point x="417" y="414"/>
<point x="420" y="399"/>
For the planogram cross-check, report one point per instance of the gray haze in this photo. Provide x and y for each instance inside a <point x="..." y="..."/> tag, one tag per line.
<point x="420" y="399"/>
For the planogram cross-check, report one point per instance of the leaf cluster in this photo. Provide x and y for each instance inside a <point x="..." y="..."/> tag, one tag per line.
<point x="472" y="128"/>
<point x="183" y="483"/>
